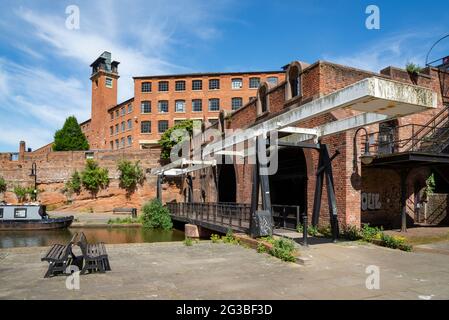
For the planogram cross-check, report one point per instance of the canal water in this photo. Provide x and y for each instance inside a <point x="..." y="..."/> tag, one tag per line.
<point x="44" y="238"/>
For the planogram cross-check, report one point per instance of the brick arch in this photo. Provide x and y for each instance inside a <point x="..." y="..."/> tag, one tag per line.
<point x="294" y="73"/>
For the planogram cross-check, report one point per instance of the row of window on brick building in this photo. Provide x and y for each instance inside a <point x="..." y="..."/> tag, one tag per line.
<point x="121" y="143"/>
<point x="180" y="106"/>
<point x="196" y="104"/>
<point x="214" y="84"/>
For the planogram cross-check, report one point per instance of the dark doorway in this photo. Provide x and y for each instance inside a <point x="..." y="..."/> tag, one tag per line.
<point x="227" y="184"/>
<point x="288" y="187"/>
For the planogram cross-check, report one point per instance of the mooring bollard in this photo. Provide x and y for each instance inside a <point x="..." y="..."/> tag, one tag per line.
<point x="304" y="230"/>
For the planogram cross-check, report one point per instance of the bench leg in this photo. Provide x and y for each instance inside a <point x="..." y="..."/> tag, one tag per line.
<point x="49" y="270"/>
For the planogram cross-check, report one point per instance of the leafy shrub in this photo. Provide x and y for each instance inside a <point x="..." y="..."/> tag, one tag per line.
<point x="70" y="137"/>
<point x="74" y="184"/>
<point x="283" y="249"/>
<point x="188" y="242"/>
<point x="268" y="239"/>
<point x="325" y="231"/>
<point x="261" y="248"/>
<point x="215" y="238"/>
<point x="311" y="230"/>
<point x="131" y="175"/>
<point x="413" y="68"/>
<point x="94" y="178"/>
<point x="156" y="216"/>
<point x="2" y="185"/>
<point x="174" y="135"/>
<point x="351" y="233"/>
<point x="229" y="238"/>
<point x="394" y="242"/>
<point x="21" y="193"/>
<point x="370" y="233"/>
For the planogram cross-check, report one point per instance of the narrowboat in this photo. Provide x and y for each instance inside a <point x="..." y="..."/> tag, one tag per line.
<point x="30" y="217"/>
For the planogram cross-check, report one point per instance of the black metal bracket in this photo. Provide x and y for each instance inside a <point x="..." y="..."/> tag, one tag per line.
<point x="325" y="170"/>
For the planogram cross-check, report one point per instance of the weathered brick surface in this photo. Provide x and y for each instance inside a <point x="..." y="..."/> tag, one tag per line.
<point x="351" y="182"/>
<point x="55" y="168"/>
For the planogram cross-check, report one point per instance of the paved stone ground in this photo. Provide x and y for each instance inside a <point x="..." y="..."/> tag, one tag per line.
<point x="89" y="219"/>
<point x="219" y="271"/>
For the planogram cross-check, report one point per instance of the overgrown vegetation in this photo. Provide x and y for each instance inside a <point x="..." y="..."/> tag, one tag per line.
<point x="94" y="178"/>
<point x="394" y="242"/>
<point x="70" y="137"/>
<point x="3" y="185"/>
<point x="127" y="220"/>
<point x="230" y="238"/>
<point x="156" y="216"/>
<point x="215" y="238"/>
<point x="412" y="68"/>
<point x="24" y="194"/>
<point x="131" y="175"/>
<point x="188" y="242"/>
<point x="283" y="249"/>
<point x="311" y="230"/>
<point x="73" y="185"/>
<point x="174" y="135"/>
<point x="430" y="185"/>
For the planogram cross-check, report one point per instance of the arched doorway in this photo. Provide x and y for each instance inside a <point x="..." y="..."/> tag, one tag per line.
<point x="227" y="184"/>
<point x="288" y="187"/>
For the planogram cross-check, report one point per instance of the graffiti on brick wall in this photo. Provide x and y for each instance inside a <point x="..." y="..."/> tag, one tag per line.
<point x="371" y="201"/>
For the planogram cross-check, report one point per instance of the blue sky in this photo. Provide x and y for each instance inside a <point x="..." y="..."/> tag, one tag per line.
<point x="44" y="67"/>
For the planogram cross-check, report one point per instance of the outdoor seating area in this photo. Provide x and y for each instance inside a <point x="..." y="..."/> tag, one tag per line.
<point x="94" y="257"/>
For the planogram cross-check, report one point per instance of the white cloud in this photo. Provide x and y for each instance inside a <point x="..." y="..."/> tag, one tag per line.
<point x="48" y="78"/>
<point x="394" y="50"/>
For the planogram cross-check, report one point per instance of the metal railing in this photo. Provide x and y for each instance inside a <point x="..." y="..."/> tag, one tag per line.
<point x="411" y="138"/>
<point x="286" y="216"/>
<point x="224" y="214"/>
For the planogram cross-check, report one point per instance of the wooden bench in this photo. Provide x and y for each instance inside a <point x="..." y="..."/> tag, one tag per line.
<point x="131" y="211"/>
<point x="59" y="257"/>
<point x="95" y="256"/>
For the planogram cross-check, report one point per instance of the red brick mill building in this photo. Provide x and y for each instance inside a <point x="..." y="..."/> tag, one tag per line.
<point x="380" y="172"/>
<point x="400" y="118"/>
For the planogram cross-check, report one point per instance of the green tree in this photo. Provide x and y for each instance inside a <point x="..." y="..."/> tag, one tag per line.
<point x="74" y="184"/>
<point x="131" y="175"/>
<point x="2" y="185"/>
<point x="156" y="216"/>
<point x="94" y="178"/>
<point x="70" y="137"/>
<point x="175" y="135"/>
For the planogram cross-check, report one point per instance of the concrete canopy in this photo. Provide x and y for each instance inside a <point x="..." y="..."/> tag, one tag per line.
<point x="378" y="99"/>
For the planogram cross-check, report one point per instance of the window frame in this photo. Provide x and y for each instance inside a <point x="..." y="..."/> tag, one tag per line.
<point x="197" y="81"/>
<point x="111" y="80"/>
<point x="201" y="105"/>
<point x="16" y="210"/>
<point x="149" y="127"/>
<point x="142" y="105"/>
<point x="209" y="104"/>
<point x="251" y="83"/>
<point x="159" y="126"/>
<point x="176" y="106"/>
<point x="159" y="106"/>
<point x="232" y="103"/>
<point x="217" y="81"/>
<point x="177" y="82"/>
<point x="148" y="89"/>
<point x="233" y="80"/>
<point x="160" y="83"/>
